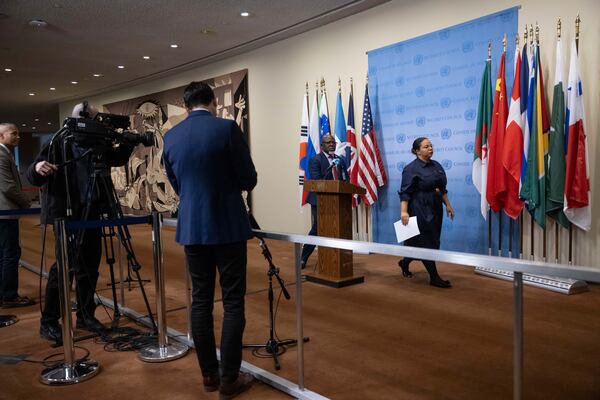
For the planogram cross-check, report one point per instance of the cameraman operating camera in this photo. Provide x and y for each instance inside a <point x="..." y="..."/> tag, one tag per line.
<point x="63" y="169"/>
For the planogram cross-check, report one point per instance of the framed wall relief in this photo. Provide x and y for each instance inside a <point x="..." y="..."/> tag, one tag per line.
<point x="142" y="184"/>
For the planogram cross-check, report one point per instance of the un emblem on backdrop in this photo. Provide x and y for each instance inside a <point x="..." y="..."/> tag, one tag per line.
<point x="400" y="81"/>
<point x="420" y="121"/>
<point x="446" y="133"/>
<point x="470" y="114"/>
<point x="400" y="165"/>
<point x="470" y="81"/>
<point x="447" y="164"/>
<point x="467" y="46"/>
<point x="469" y="146"/>
<point x="418" y="59"/>
<point x="445" y="102"/>
<point x="401" y="138"/>
<point x="445" y="34"/>
<point x="445" y="71"/>
<point x="420" y="91"/>
<point x="400" y="108"/>
<point x="469" y="180"/>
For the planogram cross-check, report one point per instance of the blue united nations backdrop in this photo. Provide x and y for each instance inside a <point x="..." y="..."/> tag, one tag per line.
<point x="429" y="86"/>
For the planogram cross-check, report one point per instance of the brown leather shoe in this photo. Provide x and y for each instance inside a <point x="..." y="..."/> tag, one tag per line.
<point x="228" y="391"/>
<point x="17" y="302"/>
<point x="211" y="383"/>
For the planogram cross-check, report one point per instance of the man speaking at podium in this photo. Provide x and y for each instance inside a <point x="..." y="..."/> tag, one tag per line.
<point x="324" y="166"/>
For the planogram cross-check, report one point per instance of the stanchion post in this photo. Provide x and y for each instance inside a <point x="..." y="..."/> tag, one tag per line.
<point x="70" y="371"/>
<point x="164" y="351"/>
<point x="299" y="321"/>
<point x="518" y="336"/>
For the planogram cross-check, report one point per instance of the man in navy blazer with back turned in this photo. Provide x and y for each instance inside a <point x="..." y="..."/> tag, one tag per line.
<point x="326" y="166"/>
<point x="209" y="165"/>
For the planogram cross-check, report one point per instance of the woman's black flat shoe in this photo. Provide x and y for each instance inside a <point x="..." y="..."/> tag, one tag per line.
<point x="440" y="283"/>
<point x="405" y="271"/>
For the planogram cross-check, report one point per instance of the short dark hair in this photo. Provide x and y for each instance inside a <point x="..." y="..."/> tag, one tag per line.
<point x="198" y="94"/>
<point x="417" y="144"/>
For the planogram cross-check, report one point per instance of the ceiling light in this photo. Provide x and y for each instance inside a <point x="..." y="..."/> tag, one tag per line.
<point x="49" y="123"/>
<point x="23" y="124"/>
<point x="97" y="75"/>
<point x="33" y="127"/>
<point x="38" y="23"/>
<point x="245" y="14"/>
<point x="74" y="82"/>
<point x="36" y="119"/>
<point x="7" y="69"/>
<point x="120" y="66"/>
<point x="32" y="94"/>
<point x="146" y="57"/>
<point x="52" y="88"/>
<point x="174" y="46"/>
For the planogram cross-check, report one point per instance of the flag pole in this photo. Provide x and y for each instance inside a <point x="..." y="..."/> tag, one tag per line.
<point x="577" y="24"/>
<point x="356" y="152"/>
<point x="489" y="59"/>
<point x="500" y="212"/>
<point x="556" y="227"/>
<point x="544" y="244"/>
<point x="521" y="218"/>
<point x="532" y="256"/>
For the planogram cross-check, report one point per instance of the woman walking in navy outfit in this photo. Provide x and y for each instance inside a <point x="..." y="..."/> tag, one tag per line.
<point x="422" y="193"/>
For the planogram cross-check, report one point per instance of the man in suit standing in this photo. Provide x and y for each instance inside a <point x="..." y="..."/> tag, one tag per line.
<point x="209" y="165"/>
<point x="11" y="197"/>
<point x="327" y="166"/>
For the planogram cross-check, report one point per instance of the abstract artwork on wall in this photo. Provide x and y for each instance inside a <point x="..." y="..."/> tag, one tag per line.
<point x="142" y="184"/>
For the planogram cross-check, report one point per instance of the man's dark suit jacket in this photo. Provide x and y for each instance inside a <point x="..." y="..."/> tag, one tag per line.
<point x="209" y="165"/>
<point x="319" y="168"/>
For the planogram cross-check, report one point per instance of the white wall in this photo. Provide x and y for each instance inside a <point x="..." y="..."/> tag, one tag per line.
<point x="278" y="72"/>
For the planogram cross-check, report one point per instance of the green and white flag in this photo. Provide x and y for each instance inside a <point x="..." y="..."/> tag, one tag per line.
<point x="555" y="174"/>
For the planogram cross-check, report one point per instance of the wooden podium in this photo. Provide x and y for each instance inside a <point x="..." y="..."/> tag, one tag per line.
<point x="334" y="219"/>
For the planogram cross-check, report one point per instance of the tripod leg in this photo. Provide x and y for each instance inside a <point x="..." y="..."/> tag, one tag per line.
<point x="110" y="260"/>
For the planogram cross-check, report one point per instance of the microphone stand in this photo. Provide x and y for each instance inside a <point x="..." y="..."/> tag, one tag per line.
<point x="273" y="346"/>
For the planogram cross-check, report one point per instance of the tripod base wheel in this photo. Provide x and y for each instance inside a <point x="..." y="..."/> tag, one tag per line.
<point x="65" y="374"/>
<point x="157" y="353"/>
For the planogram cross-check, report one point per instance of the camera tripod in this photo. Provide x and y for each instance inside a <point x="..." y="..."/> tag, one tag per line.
<point x="273" y="346"/>
<point x="100" y="185"/>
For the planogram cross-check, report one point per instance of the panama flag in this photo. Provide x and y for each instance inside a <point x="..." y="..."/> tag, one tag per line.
<point x="577" y="183"/>
<point x="302" y="155"/>
<point x="351" y="152"/>
<point x="484" y="124"/>
<point x="513" y="146"/>
<point x="340" y="129"/>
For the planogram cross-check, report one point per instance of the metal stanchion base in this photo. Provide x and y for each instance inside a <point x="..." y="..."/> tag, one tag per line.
<point x="7" y="320"/>
<point x="157" y="353"/>
<point x="65" y="374"/>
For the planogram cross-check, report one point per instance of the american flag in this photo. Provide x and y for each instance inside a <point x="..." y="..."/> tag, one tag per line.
<point x="371" y="172"/>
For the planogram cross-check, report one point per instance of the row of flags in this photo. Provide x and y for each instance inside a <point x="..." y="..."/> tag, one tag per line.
<point x="523" y="157"/>
<point x="365" y="166"/>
